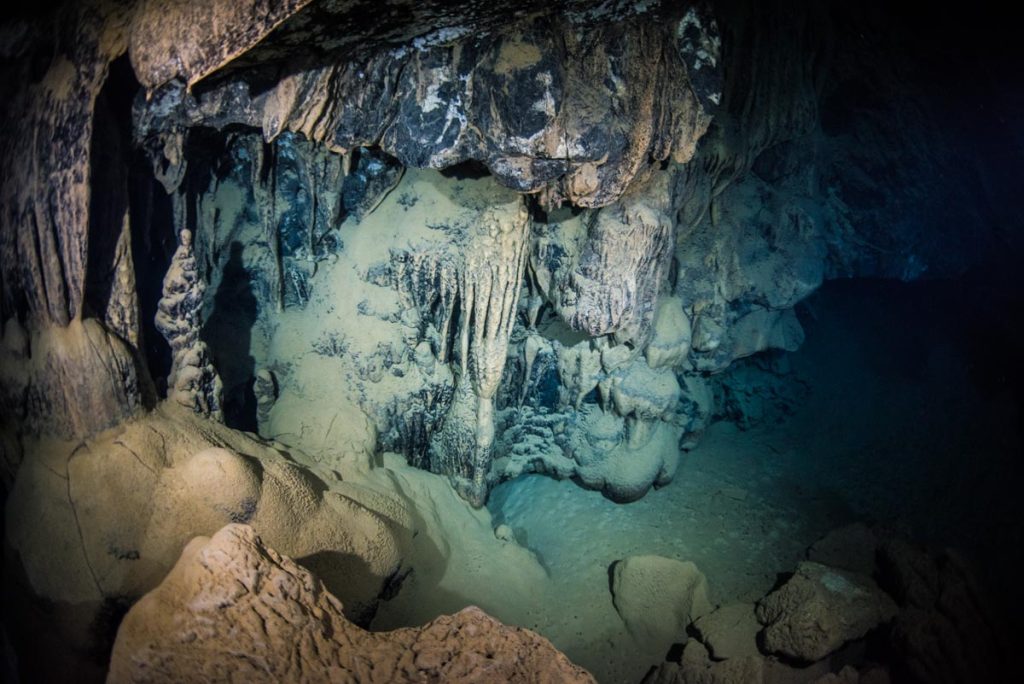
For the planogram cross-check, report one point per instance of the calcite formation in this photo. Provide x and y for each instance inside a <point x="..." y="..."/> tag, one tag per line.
<point x="574" y="107"/>
<point x="577" y="340"/>
<point x="193" y="381"/>
<point x="488" y="289"/>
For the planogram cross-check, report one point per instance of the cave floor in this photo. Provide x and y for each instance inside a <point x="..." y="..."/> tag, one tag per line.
<point x="902" y="425"/>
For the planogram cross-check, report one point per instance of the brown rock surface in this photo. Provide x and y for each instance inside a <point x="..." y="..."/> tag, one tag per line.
<point x="232" y="609"/>
<point x="819" y="609"/>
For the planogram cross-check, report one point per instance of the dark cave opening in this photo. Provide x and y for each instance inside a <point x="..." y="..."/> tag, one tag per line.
<point x="228" y="330"/>
<point x="110" y="150"/>
<point x="154" y="240"/>
<point x="131" y="238"/>
<point x="471" y="169"/>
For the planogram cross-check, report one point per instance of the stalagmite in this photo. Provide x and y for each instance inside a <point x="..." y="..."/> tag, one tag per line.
<point x="193" y="381"/>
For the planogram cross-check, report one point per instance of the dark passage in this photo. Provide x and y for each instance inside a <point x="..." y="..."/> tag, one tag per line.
<point x="911" y="417"/>
<point x="228" y="333"/>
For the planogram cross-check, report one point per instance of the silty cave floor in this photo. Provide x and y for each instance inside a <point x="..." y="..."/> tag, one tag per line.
<point x="903" y="425"/>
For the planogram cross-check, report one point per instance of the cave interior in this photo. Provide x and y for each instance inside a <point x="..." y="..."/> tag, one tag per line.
<point x="577" y="340"/>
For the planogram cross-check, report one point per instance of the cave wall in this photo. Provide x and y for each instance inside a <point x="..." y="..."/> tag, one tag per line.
<point x="686" y="175"/>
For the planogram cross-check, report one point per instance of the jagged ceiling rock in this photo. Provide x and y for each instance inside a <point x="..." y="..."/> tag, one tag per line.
<point x="232" y="607"/>
<point x="579" y="105"/>
<point x="189" y="40"/>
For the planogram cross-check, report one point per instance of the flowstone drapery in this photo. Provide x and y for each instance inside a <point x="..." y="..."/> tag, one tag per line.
<point x="489" y="281"/>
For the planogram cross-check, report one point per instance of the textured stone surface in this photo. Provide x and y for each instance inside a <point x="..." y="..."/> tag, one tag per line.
<point x="42" y="379"/>
<point x="576" y="106"/>
<point x="121" y="507"/>
<point x="819" y="609"/>
<point x="188" y="40"/>
<point x="659" y="597"/>
<point x="234" y="608"/>
<point x="695" y="666"/>
<point x="193" y="381"/>
<point x="730" y="631"/>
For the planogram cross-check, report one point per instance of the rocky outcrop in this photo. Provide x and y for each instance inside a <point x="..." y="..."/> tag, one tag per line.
<point x="121" y="507"/>
<point x="927" y="617"/>
<point x="41" y="387"/>
<point x="605" y="279"/>
<point x="696" y="666"/>
<point x="173" y="39"/>
<point x="232" y="607"/>
<point x="730" y="631"/>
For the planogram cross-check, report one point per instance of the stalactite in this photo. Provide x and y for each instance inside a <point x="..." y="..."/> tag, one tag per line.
<point x="489" y="283"/>
<point x="263" y="187"/>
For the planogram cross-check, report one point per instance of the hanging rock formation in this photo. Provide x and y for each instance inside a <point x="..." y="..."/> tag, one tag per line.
<point x="490" y="238"/>
<point x="572" y="105"/>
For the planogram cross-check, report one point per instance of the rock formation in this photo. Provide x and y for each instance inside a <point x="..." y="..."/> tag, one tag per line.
<point x="664" y="260"/>
<point x="123" y="505"/>
<point x="526" y="103"/>
<point x="729" y="632"/>
<point x="928" y="618"/>
<point x="193" y="381"/>
<point x="232" y="607"/>
<point x="488" y="283"/>
<point x="659" y="598"/>
<point x="819" y="609"/>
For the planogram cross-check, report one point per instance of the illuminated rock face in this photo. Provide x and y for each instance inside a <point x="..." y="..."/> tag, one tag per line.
<point x="487" y="238"/>
<point x="193" y="381"/>
<point x="232" y="607"/>
<point x="574" y="106"/>
<point x="573" y="330"/>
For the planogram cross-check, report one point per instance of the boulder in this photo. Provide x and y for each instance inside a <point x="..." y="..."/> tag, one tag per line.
<point x="730" y="631"/>
<point x="659" y="597"/>
<point x="234" y="609"/>
<point x="819" y="609"/>
<point x="696" y="667"/>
